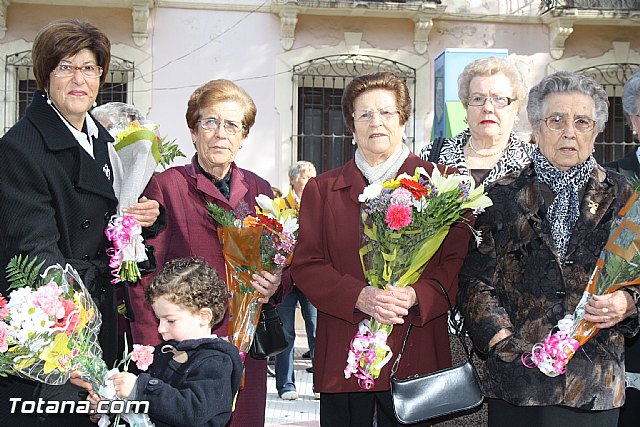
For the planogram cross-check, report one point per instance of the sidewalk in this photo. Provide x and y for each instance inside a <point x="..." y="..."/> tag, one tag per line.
<point x="304" y="412"/>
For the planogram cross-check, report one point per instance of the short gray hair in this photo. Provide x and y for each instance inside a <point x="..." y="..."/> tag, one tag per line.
<point x="301" y="166"/>
<point x="562" y="82"/>
<point x="631" y="95"/>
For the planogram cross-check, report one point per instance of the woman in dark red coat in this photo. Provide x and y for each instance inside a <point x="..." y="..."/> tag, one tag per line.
<point x="326" y="264"/>
<point x="219" y="115"/>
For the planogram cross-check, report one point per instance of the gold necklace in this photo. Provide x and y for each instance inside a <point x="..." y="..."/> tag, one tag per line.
<point x="491" y="153"/>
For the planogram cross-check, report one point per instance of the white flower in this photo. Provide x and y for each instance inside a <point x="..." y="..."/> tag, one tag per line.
<point x="290" y="224"/>
<point x="370" y="192"/>
<point x="267" y="205"/>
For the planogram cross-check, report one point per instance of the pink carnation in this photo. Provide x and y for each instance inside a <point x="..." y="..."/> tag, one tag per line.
<point x="3" y="308"/>
<point x="398" y="216"/>
<point x="4" y="334"/>
<point x="143" y="356"/>
<point x="47" y="298"/>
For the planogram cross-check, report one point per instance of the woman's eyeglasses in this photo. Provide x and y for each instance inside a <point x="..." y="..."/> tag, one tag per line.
<point x="558" y="123"/>
<point x="385" y="114"/>
<point x="497" y="101"/>
<point x="66" y="70"/>
<point x="211" y="123"/>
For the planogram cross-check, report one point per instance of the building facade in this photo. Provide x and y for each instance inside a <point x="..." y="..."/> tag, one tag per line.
<point x="295" y="56"/>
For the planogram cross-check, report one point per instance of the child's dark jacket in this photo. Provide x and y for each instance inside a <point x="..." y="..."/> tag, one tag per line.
<point x="198" y="392"/>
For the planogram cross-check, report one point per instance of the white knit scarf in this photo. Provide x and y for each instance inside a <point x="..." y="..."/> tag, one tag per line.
<point x="384" y="171"/>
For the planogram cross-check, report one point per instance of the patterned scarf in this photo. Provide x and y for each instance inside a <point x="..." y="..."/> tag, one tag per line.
<point x="384" y="171"/>
<point x="565" y="209"/>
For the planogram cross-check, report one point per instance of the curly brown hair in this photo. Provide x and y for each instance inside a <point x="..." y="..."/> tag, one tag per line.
<point x="191" y="283"/>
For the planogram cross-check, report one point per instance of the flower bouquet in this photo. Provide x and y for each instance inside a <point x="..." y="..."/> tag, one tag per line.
<point x="404" y="221"/>
<point x="618" y="266"/>
<point x="49" y="327"/>
<point x="140" y="150"/>
<point x="252" y="243"/>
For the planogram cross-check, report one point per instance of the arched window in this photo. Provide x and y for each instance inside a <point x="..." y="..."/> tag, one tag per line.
<point x="317" y="89"/>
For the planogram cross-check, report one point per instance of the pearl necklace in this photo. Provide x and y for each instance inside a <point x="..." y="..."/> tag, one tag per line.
<point x="491" y="153"/>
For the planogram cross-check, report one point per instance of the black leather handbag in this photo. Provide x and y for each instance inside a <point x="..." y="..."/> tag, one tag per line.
<point x="269" y="339"/>
<point x="436" y="394"/>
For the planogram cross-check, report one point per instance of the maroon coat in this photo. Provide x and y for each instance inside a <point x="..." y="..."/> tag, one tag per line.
<point x="190" y="231"/>
<point x="326" y="267"/>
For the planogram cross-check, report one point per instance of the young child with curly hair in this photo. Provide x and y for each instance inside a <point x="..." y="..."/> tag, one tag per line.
<point x="195" y="375"/>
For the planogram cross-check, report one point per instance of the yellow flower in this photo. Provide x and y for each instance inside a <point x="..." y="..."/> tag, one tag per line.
<point x="52" y="354"/>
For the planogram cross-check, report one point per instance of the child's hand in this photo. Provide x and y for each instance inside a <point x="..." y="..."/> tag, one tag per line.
<point x="93" y="399"/>
<point x="123" y="383"/>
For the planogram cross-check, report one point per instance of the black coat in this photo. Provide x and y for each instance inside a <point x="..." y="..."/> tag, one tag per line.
<point x="627" y="166"/>
<point x="197" y="392"/>
<point x="56" y="202"/>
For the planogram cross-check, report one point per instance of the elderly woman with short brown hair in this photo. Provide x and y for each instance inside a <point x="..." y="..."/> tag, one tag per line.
<point x="326" y="264"/>
<point x="57" y="190"/>
<point x="219" y="115"/>
<point x="540" y="243"/>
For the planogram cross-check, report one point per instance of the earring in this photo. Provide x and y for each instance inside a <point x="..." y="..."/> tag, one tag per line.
<point x="465" y="121"/>
<point x="46" y="95"/>
<point x="95" y="104"/>
<point x="353" y="141"/>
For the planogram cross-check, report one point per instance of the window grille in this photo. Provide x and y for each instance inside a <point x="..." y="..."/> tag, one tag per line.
<point x="617" y="139"/>
<point x="319" y="133"/>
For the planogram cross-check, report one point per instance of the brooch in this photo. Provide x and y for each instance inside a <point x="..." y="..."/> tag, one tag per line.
<point x="593" y="207"/>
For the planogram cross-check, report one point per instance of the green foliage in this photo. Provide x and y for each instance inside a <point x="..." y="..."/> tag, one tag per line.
<point x="22" y="271"/>
<point x="169" y="150"/>
<point x="220" y="215"/>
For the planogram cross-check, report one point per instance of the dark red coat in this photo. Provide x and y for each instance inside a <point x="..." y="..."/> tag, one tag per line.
<point x="326" y="267"/>
<point x="190" y="231"/>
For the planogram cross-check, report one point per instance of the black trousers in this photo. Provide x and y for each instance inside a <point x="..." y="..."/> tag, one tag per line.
<point x="357" y="410"/>
<point x="630" y="412"/>
<point x="503" y="414"/>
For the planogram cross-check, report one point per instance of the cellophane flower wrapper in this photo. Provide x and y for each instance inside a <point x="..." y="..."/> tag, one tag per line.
<point x="618" y="266"/>
<point x="143" y="356"/>
<point x="49" y="329"/>
<point x="137" y="147"/>
<point x="404" y="222"/>
<point x="250" y="244"/>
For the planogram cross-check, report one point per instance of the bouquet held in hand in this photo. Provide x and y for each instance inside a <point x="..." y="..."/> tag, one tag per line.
<point x="617" y="267"/>
<point x="250" y="244"/>
<point x="404" y="221"/>
<point x="49" y="328"/>
<point x="140" y="150"/>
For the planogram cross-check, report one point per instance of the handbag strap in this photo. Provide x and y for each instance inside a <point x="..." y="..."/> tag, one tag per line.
<point x="436" y="147"/>
<point x="456" y="325"/>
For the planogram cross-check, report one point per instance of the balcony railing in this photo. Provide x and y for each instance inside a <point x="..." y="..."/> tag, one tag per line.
<point x="374" y="4"/>
<point x="618" y="5"/>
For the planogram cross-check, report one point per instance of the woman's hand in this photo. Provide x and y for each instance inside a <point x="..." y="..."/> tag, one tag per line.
<point x="608" y="310"/>
<point x="123" y="382"/>
<point x="267" y="284"/>
<point x="146" y="211"/>
<point x="387" y="306"/>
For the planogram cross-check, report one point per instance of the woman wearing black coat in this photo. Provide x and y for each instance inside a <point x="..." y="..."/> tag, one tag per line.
<point x="57" y="191"/>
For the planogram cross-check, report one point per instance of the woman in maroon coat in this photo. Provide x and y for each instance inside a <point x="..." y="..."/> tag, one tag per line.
<point x="219" y="115"/>
<point x="326" y="264"/>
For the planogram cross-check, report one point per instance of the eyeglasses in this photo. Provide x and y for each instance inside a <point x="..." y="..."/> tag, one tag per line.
<point x="558" y="123"/>
<point x="386" y="114"/>
<point x="497" y="101"/>
<point x="66" y="70"/>
<point x="211" y="123"/>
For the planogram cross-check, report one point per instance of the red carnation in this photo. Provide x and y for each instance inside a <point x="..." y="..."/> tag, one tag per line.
<point x="417" y="190"/>
<point x="398" y="216"/>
